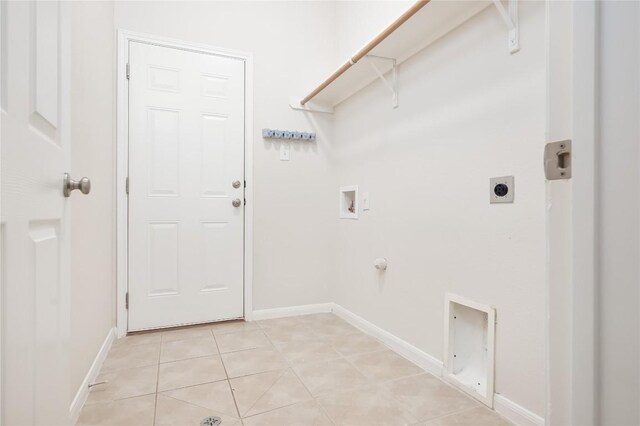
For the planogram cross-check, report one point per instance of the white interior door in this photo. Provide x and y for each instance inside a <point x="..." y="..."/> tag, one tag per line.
<point x="186" y="150"/>
<point x="34" y="232"/>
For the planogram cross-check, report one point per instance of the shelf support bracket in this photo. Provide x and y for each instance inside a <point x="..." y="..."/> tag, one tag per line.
<point x="510" y="18"/>
<point x="391" y="85"/>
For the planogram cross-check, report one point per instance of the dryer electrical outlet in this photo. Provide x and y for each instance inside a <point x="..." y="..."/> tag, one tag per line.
<point x="501" y="189"/>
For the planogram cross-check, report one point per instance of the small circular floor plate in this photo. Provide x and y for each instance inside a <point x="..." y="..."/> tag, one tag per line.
<point x="211" y="421"/>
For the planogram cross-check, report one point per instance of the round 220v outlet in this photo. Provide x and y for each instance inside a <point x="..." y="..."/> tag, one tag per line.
<point x="501" y="189"/>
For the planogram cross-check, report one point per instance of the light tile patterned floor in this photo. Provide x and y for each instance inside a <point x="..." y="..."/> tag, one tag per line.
<point x="298" y="371"/>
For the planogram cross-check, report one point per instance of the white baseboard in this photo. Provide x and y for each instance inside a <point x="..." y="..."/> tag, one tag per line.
<point x="505" y="407"/>
<point x="292" y="311"/>
<point x="516" y="413"/>
<point x="83" y="391"/>
<point x="410" y="352"/>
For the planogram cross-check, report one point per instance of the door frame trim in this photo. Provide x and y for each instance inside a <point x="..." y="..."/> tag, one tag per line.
<point x="122" y="159"/>
<point x="585" y="215"/>
<point x="572" y="217"/>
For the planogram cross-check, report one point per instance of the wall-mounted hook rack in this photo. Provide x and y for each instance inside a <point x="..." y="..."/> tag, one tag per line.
<point x="510" y="18"/>
<point x="292" y="135"/>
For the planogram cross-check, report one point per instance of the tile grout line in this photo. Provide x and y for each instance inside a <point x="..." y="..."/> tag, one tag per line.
<point x="215" y="381"/>
<point x="219" y="353"/>
<point x="291" y="367"/>
<point x="422" y="371"/>
<point x="314" y="398"/>
<point x="324" y="410"/>
<point x="214" y="412"/>
<point x="157" y="364"/>
<point x="453" y="413"/>
<point x="235" y="403"/>
<point x="265" y="392"/>
<point x="370" y="381"/>
<point x="327" y="339"/>
<point x="226" y="373"/>
<point x="243" y="349"/>
<point x="155" y="404"/>
<point x="382" y="383"/>
<point x="192" y="357"/>
<point x="289" y="405"/>
<point x="187" y="386"/>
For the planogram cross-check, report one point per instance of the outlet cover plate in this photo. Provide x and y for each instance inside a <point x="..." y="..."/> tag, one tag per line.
<point x="497" y="192"/>
<point x="284" y="152"/>
<point x="366" y="201"/>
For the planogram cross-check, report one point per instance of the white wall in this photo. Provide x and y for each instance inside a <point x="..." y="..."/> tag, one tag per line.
<point x="92" y="155"/>
<point x="293" y="44"/>
<point x="619" y="214"/>
<point x="468" y="111"/>
<point x="357" y="22"/>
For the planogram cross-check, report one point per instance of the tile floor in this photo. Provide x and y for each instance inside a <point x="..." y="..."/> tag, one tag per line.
<point x="299" y="371"/>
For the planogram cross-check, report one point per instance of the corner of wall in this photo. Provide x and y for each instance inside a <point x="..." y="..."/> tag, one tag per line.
<point x="83" y="391"/>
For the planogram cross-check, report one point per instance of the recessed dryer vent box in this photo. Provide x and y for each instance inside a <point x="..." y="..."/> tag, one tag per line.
<point x="349" y="202"/>
<point x="469" y="347"/>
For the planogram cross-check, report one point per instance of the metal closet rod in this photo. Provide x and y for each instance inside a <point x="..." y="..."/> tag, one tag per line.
<point x="368" y="48"/>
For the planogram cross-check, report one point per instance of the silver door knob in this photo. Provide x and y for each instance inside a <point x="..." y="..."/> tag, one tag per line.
<point x="68" y="185"/>
<point x="236" y="184"/>
<point x="236" y="202"/>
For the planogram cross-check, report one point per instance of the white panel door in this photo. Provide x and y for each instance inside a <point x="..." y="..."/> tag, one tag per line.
<point x="34" y="230"/>
<point x="186" y="148"/>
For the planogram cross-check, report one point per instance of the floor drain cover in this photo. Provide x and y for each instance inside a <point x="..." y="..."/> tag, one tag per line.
<point x="211" y="421"/>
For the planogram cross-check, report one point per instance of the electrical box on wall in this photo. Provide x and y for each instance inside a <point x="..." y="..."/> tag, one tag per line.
<point x="349" y="202"/>
<point x="366" y="201"/>
<point x="469" y="347"/>
<point x="284" y="152"/>
<point x="502" y="189"/>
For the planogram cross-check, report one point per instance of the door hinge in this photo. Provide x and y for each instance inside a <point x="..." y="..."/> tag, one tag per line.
<point x="126" y="301"/>
<point x="245" y="201"/>
<point x="128" y="71"/>
<point x="557" y="160"/>
<point x="126" y="185"/>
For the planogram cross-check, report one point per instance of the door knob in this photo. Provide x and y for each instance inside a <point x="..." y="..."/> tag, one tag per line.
<point x="68" y="185"/>
<point x="236" y="202"/>
<point x="236" y="184"/>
